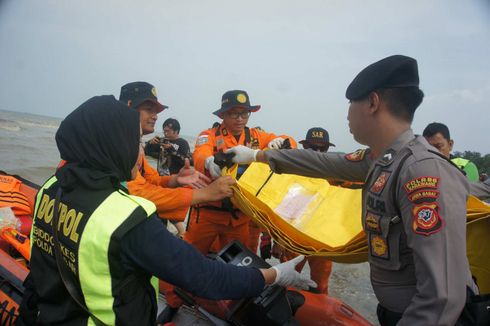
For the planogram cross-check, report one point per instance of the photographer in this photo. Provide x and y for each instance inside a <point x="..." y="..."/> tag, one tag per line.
<point x="171" y="150"/>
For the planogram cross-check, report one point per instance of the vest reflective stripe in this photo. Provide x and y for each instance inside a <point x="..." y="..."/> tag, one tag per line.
<point x="39" y="195"/>
<point x="461" y="162"/>
<point x="94" y="272"/>
<point x="150" y="209"/>
<point x="470" y="169"/>
<point x="10" y="195"/>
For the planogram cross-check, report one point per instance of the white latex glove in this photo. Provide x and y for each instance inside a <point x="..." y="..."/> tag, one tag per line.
<point x="276" y="143"/>
<point x="243" y="154"/>
<point x="288" y="276"/>
<point x="212" y="167"/>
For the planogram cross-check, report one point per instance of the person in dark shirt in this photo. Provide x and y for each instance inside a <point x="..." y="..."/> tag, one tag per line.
<point x="171" y="150"/>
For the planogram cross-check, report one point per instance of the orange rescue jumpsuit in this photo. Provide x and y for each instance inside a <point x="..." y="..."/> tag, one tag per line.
<point x="210" y="220"/>
<point x="171" y="203"/>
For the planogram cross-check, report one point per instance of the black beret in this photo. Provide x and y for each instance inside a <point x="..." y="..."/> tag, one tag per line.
<point x="391" y="72"/>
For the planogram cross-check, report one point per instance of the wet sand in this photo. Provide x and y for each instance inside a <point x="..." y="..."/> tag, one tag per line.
<point x="350" y="283"/>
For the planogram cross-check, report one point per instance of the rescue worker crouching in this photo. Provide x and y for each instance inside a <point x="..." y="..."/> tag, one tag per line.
<point x="96" y="265"/>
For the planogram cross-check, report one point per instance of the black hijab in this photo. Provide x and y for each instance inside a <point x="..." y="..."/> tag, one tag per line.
<point x="100" y="142"/>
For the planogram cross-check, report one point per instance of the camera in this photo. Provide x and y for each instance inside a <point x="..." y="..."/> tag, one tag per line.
<point x="164" y="141"/>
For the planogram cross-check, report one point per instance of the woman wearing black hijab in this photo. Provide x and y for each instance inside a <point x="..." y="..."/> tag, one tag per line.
<point x="111" y="243"/>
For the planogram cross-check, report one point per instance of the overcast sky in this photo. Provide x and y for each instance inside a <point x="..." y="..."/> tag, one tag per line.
<point x="295" y="58"/>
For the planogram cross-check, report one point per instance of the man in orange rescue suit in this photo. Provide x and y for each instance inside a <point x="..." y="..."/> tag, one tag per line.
<point x="166" y="192"/>
<point x="217" y="218"/>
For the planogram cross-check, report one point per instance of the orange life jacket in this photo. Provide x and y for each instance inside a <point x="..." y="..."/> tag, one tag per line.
<point x="11" y="196"/>
<point x="18" y="240"/>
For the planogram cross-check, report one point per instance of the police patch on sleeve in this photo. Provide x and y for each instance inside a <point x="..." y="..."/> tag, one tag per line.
<point x="426" y="219"/>
<point x="356" y="156"/>
<point x="425" y="195"/>
<point x="203" y="139"/>
<point x="420" y="183"/>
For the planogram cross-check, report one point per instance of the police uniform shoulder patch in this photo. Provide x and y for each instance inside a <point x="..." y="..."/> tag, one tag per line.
<point x="202" y="139"/>
<point x="426" y="195"/>
<point x="356" y="156"/>
<point x="426" y="219"/>
<point x="421" y="183"/>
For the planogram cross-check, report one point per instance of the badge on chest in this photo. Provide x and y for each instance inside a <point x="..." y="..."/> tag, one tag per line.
<point x="380" y="182"/>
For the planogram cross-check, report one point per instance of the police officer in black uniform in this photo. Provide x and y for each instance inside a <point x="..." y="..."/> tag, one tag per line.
<point x="414" y="200"/>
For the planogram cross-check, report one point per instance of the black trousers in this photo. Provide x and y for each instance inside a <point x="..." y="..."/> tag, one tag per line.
<point x="387" y="317"/>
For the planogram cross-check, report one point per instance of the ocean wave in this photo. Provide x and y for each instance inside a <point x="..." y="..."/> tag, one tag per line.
<point x="30" y="120"/>
<point x="42" y="124"/>
<point x="9" y="125"/>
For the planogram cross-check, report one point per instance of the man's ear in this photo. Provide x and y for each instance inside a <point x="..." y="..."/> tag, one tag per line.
<point x="451" y="144"/>
<point x="129" y="103"/>
<point x="374" y="102"/>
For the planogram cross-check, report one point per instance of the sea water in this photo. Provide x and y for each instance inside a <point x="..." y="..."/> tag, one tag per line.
<point x="28" y="148"/>
<point x="27" y="145"/>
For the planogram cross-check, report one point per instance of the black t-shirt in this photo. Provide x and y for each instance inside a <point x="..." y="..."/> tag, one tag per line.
<point x="170" y="160"/>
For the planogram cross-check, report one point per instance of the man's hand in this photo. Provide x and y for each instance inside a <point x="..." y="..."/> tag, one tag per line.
<point x="276" y="143"/>
<point x="217" y="190"/>
<point x="166" y="146"/>
<point x="288" y="276"/>
<point x="154" y="140"/>
<point x="243" y="154"/>
<point x="212" y="167"/>
<point x="188" y="176"/>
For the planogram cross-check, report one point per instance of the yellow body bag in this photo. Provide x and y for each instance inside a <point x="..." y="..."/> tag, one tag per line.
<point x="311" y="217"/>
